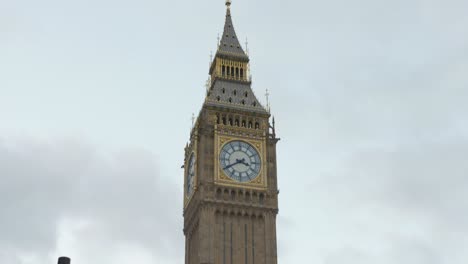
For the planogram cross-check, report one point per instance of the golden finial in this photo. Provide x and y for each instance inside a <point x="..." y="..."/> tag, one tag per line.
<point x="228" y="3"/>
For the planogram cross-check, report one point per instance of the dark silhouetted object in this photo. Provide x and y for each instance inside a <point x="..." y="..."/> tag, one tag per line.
<point x="64" y="260"/>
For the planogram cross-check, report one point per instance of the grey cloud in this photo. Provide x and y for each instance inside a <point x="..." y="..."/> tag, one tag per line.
<point x="45" y="183"/>
<point x="400" y="252"/>
<point x="387" y="203"/>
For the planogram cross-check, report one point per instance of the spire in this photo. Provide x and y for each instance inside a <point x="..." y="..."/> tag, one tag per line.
<point x="231" y="85"/>
<point x="230" y="45"/>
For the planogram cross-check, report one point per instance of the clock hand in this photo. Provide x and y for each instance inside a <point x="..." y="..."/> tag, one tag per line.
<point x="235" y="163"/>
<point x="243" y="162"/>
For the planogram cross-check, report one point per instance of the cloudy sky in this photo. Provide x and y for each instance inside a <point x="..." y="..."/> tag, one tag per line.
<point x="370" y="99"/>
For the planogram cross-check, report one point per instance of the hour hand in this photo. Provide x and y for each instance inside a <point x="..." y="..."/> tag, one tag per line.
<point x="243" y="162"/>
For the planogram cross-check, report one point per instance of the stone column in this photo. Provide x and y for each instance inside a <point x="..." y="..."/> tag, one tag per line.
<point x="270" y="228"/>
<point x="206" y="235"/>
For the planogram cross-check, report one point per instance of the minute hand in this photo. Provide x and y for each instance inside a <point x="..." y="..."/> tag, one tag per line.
<point x="230" y="165"/>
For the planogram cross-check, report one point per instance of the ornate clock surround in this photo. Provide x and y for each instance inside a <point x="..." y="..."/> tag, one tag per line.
<point x="260" y="182"/>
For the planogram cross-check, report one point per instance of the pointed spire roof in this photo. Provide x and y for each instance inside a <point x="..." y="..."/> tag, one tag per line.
<point x="229" y="45"/>
<point x="231" y="93"/>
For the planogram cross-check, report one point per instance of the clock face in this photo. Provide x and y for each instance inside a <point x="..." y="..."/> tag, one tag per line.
<point x="240" y="161"/>
<point x="190" y="174"/>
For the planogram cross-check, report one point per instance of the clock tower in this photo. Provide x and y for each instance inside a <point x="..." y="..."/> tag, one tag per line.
<point x="230" y="180"/>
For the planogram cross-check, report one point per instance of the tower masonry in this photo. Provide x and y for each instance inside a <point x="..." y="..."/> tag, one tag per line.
<point x="230" y="178"/>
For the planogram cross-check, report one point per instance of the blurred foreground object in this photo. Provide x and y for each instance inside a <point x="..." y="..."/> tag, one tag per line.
<point x="64" y="260"/>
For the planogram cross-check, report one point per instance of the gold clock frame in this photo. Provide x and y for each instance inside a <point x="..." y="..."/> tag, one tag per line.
<point x="260" y="182"/>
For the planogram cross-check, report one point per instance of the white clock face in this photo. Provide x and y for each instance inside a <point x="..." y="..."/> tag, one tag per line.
<point x="240" y="161"/>
<point x="190" y="174"/>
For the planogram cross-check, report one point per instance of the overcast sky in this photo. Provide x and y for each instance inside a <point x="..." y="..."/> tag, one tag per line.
<point x="370" y="99"/>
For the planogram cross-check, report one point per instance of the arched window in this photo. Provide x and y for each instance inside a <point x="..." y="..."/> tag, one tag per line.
<point x="232" y="71"/>
<point x="237" y="72"/>
<point x="224" y="70"/>
<point x="242" y="73"/>
<point x="243" y="123"/>
<point x="230" y="121"/>
<point x="224" y="120"/>
<point x="243" y="102"/>
<point x="250" y="124"/>
<point x="228" y="70"/>
<point x="223" y="90"/>
<point x="217" y="119"/>
<point x="235" y="92"/>
<point x="254" y="104"/>
<point x="218" y="98"/>
<point x="230" y="99"/>
<point x="261" y="198"/>
<point x="257" y="125"/>
<point x="236" y="122"/>
<point x="246" y="94"/>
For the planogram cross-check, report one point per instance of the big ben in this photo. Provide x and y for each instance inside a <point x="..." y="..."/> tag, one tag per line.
<point x="230" y="178"/>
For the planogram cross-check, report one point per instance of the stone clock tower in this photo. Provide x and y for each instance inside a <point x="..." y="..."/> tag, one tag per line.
<point x="230" y="181"/>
